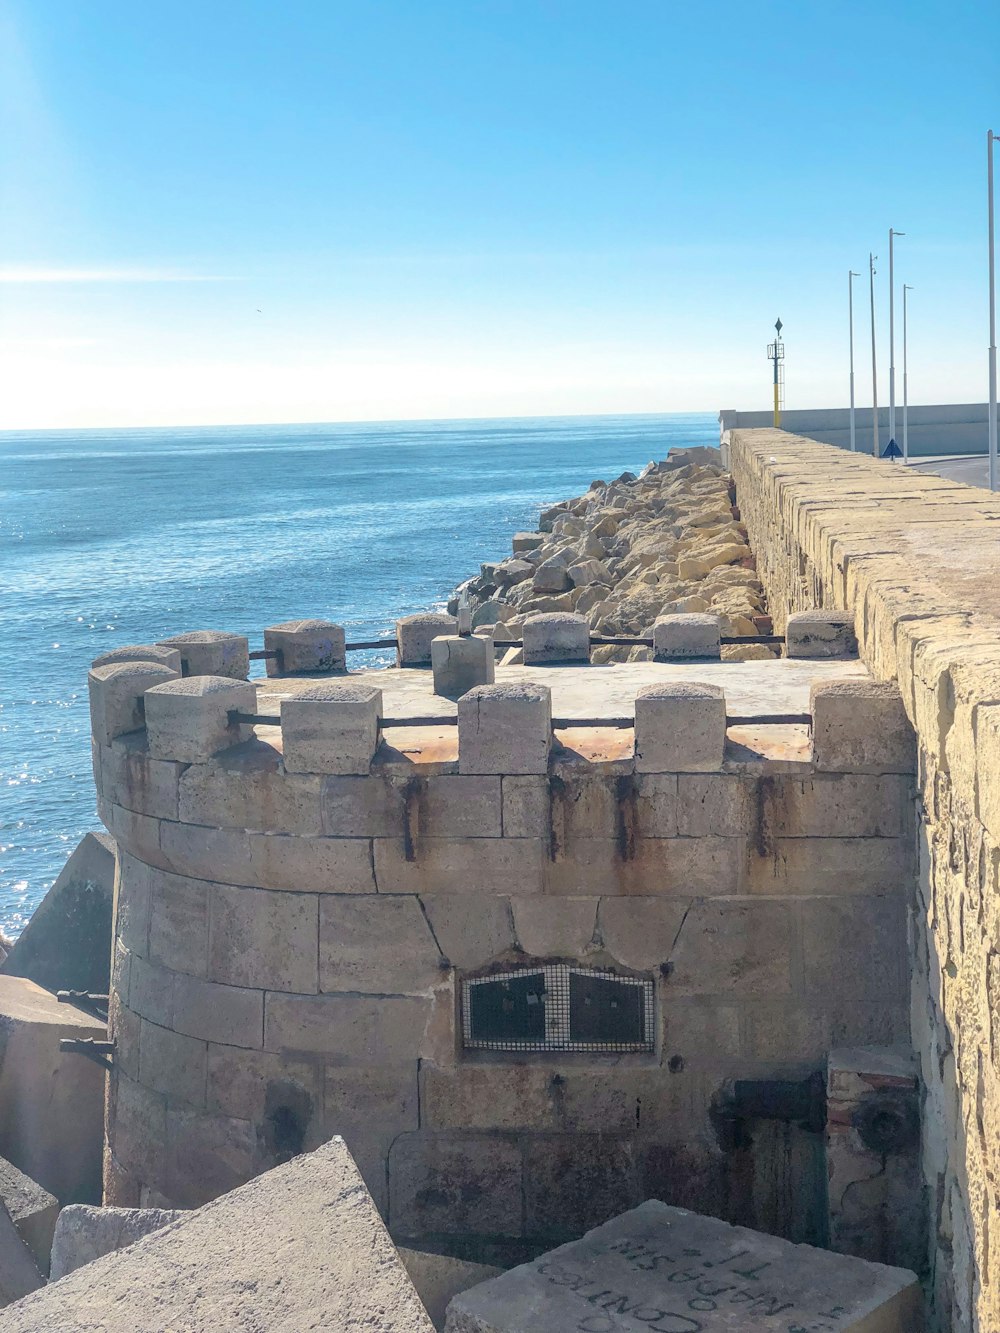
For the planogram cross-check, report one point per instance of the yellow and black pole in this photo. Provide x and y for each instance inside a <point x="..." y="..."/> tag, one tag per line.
<point x="776" y="354"/>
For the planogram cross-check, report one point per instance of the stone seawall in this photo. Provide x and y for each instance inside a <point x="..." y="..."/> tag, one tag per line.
<point x="917" y="560"/>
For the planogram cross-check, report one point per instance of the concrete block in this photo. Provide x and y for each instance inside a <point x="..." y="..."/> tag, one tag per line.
<point x="188" y="720"/>
<point x="820" y="634"/>
<point x="358" y="1029"/>
<point x="555" y="927"/>
<point x="172" y="1065"/>
<point x="471" y="930"/>
<point x="19" y="1274"/>
<point x="557" y="636"/>
<point x="452" y="1183"/>
<point x="85" y="1233"/>
<point x="331" y="728"/>
<point x="117" y="703"/>
<point x="263" y="939"/>
<point x="679" y="638"/>
<point x="230" y="1015"/>
<point x="305" y="646"/>
<point x="210" y="652"/>
<point x="505" y="729"/>
<point x="680" y="728"/>
<point x="32" y="1209"/>
<point x="142" y="652"/>
<point x="668" y="1268"/>
<point x="226" y="1266"/>
<point x="475" y="866"/>
<point x="415" y="634"/>
<point x="312" y="865"/>
<point x="460" y="662"/>
<point x="861" y="727"/>
<point x="439" y="1277"/>
<point x="66" y="944"/>
<point x="247" y="788"/>
<point x="381" y="944"/>
<point x="51" y="1104"/>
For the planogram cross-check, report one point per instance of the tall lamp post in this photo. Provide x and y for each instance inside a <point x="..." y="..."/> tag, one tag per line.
<point x="990" y="140"/>
<point x="906" y="445"/>
<point x="892" y="341"/>
<point x="871" y="294"/>
<point x="851" y="275"/>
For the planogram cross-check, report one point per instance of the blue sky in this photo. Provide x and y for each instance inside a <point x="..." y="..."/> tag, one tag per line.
<point x="416" y="208"/>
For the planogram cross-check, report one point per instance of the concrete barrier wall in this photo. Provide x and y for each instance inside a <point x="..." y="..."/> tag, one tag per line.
<point x="942" y="428"/>
<point x="290" y="948"/>
<point x="917" y="559"/>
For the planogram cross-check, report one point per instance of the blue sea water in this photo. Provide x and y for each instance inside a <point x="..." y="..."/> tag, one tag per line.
<point x="125" y="536"/>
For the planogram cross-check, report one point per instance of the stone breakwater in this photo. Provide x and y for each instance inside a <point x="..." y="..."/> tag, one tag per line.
<point x="626" y="552"/>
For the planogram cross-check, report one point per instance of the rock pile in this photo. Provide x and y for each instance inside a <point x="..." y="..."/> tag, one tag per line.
<point x="628" y="551"/>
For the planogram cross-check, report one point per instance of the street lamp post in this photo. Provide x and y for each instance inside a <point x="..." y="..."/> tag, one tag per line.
<point x="990" y="140"/>
<point x="851" y="275"/>
<point x="892" y="341"/>
<point x="906" y="446"/>
<point x="871" y="295"/>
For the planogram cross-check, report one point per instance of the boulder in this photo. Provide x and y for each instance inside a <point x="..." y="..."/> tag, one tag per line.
<point x="588" y="571"/>
<point x="552" y="576"/>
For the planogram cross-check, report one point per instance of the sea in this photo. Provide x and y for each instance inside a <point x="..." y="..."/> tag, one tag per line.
<point x="114" y="537"/>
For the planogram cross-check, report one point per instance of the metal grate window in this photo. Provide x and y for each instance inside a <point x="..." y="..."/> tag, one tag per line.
<point x="557" y="1008"/>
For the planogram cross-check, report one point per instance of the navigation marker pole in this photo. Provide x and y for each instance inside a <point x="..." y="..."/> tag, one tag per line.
<point x="892" y="341"/>
<point x="990" y="140"/>
<point x="851" y="275"/>
<point x="776" y="353"/>
<point x="906" y="447"/>
<point x="871" y="293"/>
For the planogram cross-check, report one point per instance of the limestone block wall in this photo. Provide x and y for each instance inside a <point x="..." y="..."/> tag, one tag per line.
<point x="297" y="908"/>
<point x="916" y="559"/>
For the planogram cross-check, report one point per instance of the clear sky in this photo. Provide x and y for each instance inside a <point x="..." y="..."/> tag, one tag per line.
<point x="318" y="210"/>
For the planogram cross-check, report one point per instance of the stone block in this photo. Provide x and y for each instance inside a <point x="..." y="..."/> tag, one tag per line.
<point x="131" y="779"/>
<point x="592" y="867"/>
<point x="439" y="1277"/>
<point x="551" y="576"/>
<point x="172" y="1065"/>
<point x="208" y="1155"/>
<point x="855" y="948"/>
<point x="838" y="866"/>
<point x="263" y="939"/>
<point x="32" y="1209"/>
<point x="526" y="807"/>
<point x="19" y="1273"/>
<point x="861" y="727"/>
<point x="471" y="930"/>
<point x="679" y="728"/>
<point x="576" y="1181"/>
<point x="331" y="728"/>
<point x="177" y="920"/>
<point x="229" y="1015"/>
<point x="250" y="1085"/>
<point x="226" y="1265"/>
<point x="526" y="541"/>
<point x="505" y="729"/>
<point x="210" y="652"/>
<point x="201" y="852"/>
<point x="474" y="866"/>
<point x="85" y="1233"/>
<point x="415" y="634"/>
<point x="640" y="932"/>
<point x="188" y="720"/>
<point x="66" y="944"/>
<point x="368" y="1108"/>
<point x="460" y="662"/>
<point x="719" y="804"/>
<point x="51" y="1103"/>
<point x="555" y="927"/>
<point x="583" y="804"/>
<point x="559" y="636"/>
<point x="835" y="805"/>
<point x="117" y="696"/>
<point x="142" y="652"/>
<point x="455" y="1183"/>
<point x="312" y="865"/>
<point x="681" y="638"/>
<point x="364" y="806"/>
<point x="503" y="1096"/>
<point x="137" y="1129"/>
<point x="357" y="1029"/>
<point x="735" y="947"/>
<point x="820" y="634"/>
<point x="246" y="788"/>
<point x="380" y="944"/>
<point x="305" y="646"/>
<point x="656" y="805"/>
<point x="138" y="834"/>
<point x="658" y="1267"/>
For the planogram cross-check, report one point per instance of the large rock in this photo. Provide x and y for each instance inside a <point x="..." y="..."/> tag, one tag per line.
<point x="67" y="943"/>
<point x="300" y="1247"/>
<point x="658" y="1269"/>
<point x="84" y="1233"/>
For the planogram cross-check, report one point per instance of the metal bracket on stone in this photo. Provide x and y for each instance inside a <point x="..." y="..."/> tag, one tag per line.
<point x="101" y="1052"/>
<point x="83" y="999"/>
<point x="739" y="1101"/>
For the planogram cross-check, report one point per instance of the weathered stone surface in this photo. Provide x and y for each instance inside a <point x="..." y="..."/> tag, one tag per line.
<point x="558" y="636"/>
<point x="460" y="662"/>
<point x="129" y="777"/>
<point x="188" y="720"/>
<point x="263" y="939"/>
<point x="312" y="865"/>
<point x="369" y="1107"/>
<point x="733" y="946"/>
<point x="305" y="646"/>
<point x="226" y="1266"/>
<point x="471" y="930"/>
<point x="372" y="1029"/>
<point x="66" y="944"/>
<point x="246" y="788"/>
<point x="861" y="727"/>
<point x="820" y="634"/>
<point x="117" y="693"/>
<point x="331" y="728"/>
<point x="232" y="1015"/>
<point x="18" y="1273"/>
<point x="32" y="1209"/>
<point x="209" y="652"/>
<point x="377" y="943"/>
<point x="172" y="1064"/>
<point x="661" y="1267"/>
<point x="525" y="807"/>
<point x="415" y="634"/>
<point x="51" y="1104"/>
<point x="475" y="866"/>
<point x="439" y="1277"/>
<point x="505" y="729"/>
<point x="85" y="1233"/>
<point x="576" y="1181"/>
<point x="679" y="728"/>
<point x="456" y="1184"/>
<point x="554" y="927"/>
<point x="677" y="638"/>
<point x="142" y="652"/>
<point x="641" y="932"/>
